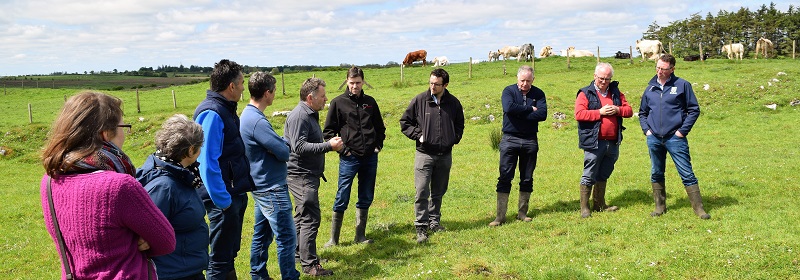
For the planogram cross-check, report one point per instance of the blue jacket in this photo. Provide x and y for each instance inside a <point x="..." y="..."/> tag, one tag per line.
<point x="170" y="188"/>
<point x="223" y="165"/>
<point x="267" y="152"/>
<point x="674" y="108"/>
<point x="519" y="118"/>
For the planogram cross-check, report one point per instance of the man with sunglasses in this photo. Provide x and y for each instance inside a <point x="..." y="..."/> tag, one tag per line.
<point x="668" y="111"/>
<point x="599" y="109"/>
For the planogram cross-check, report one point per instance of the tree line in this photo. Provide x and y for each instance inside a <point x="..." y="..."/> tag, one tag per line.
<point x="743" y="26"/>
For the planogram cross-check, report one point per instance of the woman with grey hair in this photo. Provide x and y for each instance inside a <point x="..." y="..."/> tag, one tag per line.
<point x="170" y="176"/>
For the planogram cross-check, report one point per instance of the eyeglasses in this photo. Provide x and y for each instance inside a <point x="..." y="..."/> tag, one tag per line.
<point x="436" y="85"/>
<point x="604" y="79"/>
<point x="126" y="127"/>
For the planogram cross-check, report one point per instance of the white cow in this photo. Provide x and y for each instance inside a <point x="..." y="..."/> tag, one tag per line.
<point x="440" y="61"/>
<point x="764" y="46"/>
<point x="546" y="51"/>
<point x="650" y="47"/>
<point x="509" y="51"/>
<point x="494" y="56"/>
<point x="572" y="52"/>
<point x="525" y="52"/>
<point x="734" y="50"/>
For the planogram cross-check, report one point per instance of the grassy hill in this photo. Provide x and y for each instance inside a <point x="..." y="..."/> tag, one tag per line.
<point x="746" y="157"/>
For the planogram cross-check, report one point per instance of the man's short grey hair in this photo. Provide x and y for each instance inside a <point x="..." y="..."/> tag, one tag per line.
<point x="177" y="135"/>
<point x="602" y="65"/>
<point x="310" y="86"/>
<point x="524" y="69"/>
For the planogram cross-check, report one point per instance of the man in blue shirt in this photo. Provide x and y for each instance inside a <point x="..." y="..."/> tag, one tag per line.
<point x="224" y="167"/>
<point x="668" y="112"/>
<point x="268" y="154"/>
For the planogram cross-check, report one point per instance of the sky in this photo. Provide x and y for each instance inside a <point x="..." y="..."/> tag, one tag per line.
<point x="46" y="36"/>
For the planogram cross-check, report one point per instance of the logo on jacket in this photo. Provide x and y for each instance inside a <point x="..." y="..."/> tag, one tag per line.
<point x="673" y="90"/>
<point x="365" y="106"/>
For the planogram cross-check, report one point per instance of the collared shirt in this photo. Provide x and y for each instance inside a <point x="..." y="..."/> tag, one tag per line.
<point x="304" y="135"/>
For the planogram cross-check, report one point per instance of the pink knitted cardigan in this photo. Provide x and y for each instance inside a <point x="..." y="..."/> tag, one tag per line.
<point x="102" y="215"/>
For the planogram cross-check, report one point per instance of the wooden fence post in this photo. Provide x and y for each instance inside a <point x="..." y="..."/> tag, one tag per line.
<point x="794" y="43"/>
<point x="568" y="65"/>
<point x="470" y="67"/>
<point x="30" y="114"/>
<point x="283" y="85"/>
<point x="702" y="57"/>
<point x="138" y="108"/>
<point x="504" y="65"/>
<point x="630" y="51"/>
<point x="598" y="54"/>
<point x="401" y="73"/>
<point x="174" y="102"/>
<point x="23" y="84"/>
<point x="533" y="58"/>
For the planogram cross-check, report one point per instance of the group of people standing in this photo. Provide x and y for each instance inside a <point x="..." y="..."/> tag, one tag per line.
<point x="206" y="166"/>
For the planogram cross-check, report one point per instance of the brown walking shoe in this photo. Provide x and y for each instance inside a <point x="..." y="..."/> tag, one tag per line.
<point x="316" y="270"/>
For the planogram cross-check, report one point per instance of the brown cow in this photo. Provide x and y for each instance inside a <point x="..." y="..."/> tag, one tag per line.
<point x="416" y="56"/>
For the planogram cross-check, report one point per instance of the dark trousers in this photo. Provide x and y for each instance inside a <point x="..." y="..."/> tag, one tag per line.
<point x="307" y="216"/>
<point x="225" y="228"/>
<point x="513" y="149"/>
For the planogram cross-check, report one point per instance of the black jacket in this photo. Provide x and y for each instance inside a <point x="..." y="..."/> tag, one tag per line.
<point x="358" y="120"/>
<point x="440" y="125"/>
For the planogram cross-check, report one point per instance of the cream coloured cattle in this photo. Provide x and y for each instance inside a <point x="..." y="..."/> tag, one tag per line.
<point x="764" y="46"/>
<point x="572" y="52"/>
<point x="440" y="61"/>
<point x="650" y="47"/>
<point x="546" y="51"/>
<point x="734" y="50"/>
<point x="494" y="56"/>
<point x="509" y="51"/>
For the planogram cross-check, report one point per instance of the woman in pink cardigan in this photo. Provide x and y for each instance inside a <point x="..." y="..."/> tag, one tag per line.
<point x="109" y="223"/>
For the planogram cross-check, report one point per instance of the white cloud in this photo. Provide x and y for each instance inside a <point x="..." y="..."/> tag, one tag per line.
<point x="127" y="34"/>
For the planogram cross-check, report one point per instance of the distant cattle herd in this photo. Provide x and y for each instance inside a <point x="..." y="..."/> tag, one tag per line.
<point x="648" y="50"/>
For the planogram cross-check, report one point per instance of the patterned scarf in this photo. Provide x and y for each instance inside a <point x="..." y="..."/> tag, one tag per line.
<point x="194" y="168"/>
<point x="109" y="157"/>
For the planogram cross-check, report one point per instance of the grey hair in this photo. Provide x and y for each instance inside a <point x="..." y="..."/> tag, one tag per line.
<point x="310" y="86"/>
<point x="602" y="65"/>
<point x="525" y="68"/>
<point x="177" y="135"/>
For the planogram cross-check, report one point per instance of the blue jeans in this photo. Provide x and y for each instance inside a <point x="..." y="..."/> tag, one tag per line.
<point x="678" y="148"/>
<point x="431" y="178"/>
<point x="225" y="230"/>
<point x="598" y="164"/>
<point x="367" y="168"/>
<point x="513" y="149"/>
<point x="273" y="217"/>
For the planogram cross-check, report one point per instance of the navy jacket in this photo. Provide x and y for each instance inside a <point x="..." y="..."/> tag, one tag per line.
<point x="519" y="118"/>
<point x="170" y="188"/>
<point x="674" y="108"/>
<point x="233" y="164"/>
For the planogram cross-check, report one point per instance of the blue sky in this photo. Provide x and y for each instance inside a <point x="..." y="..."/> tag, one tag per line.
<point x="45" y="36"/>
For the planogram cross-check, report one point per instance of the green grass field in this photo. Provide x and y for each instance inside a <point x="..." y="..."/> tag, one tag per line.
<point x="746" y="156"/>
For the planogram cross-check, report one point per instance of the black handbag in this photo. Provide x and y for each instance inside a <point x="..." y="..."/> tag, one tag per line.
<point x="61" y="245"/>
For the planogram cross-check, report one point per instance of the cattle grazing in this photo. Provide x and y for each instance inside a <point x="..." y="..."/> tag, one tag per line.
<point x="546" y="51"/>
<point x="651" y="47"/>
<point x="695" y="57"/>
<point x="419" y="55"/>
<point x="622" y="55"/>
<point x="572" y="52"/>
<point x="525" y="52"/>
<point x="764" y="46"/>
<point x="734" y="50"/>
<point x="509" y="52"/>
<point x="440" y="61"/>
<point x="494" y="56"/>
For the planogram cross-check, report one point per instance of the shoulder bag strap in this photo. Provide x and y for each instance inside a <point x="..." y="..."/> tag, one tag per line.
<point x="61" y="245"/>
